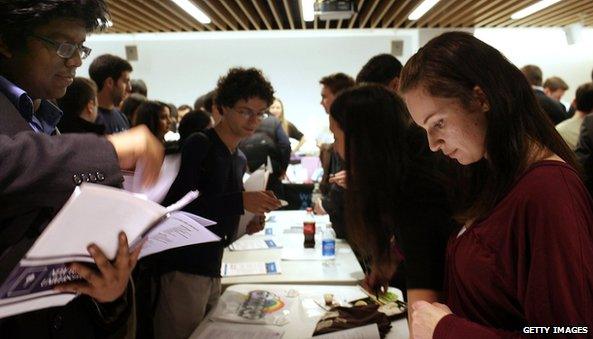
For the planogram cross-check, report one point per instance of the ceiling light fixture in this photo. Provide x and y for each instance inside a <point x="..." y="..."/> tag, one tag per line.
<point x="193" y="10"/>
<point x="527" y="11"/>
<point x="424" y="7"/>
<point x="308" y="12"/>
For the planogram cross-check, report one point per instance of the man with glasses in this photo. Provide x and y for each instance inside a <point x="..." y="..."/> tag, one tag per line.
<point x="212" y="164"/>
<point x="112" y="76"/>
<point x="41" y="46"/>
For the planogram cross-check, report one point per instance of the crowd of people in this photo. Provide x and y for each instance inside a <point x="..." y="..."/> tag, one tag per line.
<point x="457" y="177"/>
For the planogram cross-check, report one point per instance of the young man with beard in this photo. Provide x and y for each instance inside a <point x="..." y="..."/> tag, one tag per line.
<point x="112" y="76"/>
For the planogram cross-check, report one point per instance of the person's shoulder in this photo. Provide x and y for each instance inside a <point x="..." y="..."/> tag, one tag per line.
<point x="102" y="110"/>
<point x="271" y="121"/>
<point x="547" y="180"/>
<point x="588" y="121"/>
<point x="564" y="125"/>
<point x="198" y="138"/>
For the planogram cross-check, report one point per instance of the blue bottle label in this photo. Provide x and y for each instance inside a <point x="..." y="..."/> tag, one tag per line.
<point x="328" y="247"/>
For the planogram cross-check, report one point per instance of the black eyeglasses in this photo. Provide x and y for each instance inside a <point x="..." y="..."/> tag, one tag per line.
<point x="64" y="49"/>
<point x="247" y="113"/>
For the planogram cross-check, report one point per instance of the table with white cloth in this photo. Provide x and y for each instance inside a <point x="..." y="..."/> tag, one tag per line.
<point x="302" y="315"/>
<point x="297" y="264"/>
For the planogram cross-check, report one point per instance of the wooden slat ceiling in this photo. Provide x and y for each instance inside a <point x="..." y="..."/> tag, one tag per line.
<point x="132" y="16"/>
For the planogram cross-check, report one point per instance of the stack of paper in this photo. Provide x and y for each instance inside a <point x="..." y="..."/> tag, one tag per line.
<point x="95" y="214"/>
<point x="158" y="191"/>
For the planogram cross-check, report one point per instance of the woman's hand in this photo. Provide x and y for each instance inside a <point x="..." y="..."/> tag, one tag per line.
<point x="338" y="179"/>
<point x="425" y="318"/>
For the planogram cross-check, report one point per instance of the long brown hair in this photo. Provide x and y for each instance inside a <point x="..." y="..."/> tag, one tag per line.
<point x="376" y="158"/>
<point x="451" y="66"/>
<point x="282" y="119"/>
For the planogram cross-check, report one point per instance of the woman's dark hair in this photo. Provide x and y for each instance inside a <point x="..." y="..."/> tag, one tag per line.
<point x="18" y="19"/>
<point x="584" y="98"/>
<point x="148" y="114"/>
<point x="452" y="65"/>
<point x="243" y="84"/>
<point x="375" y="125"/>
<point x="172" y="110"/>
<point x="77" y="97"/>
<point x="380" y="69"/>
<point x="205" y="101"/>
<point x="192" y="122"/>
<point x="131" y="104"/>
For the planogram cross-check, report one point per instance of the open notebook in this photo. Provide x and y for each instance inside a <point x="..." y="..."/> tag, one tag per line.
<point x="95" y="214"/>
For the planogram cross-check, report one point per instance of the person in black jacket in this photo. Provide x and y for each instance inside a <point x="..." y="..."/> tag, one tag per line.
<point x="212" y="164"/>
<point x="79" y="105"/>
<point x="553" y="108"/>
<point x="269" y="140"/>
<point x="584" y="151"/>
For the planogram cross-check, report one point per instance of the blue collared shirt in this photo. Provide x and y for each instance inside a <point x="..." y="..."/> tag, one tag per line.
<point x="44" y="120"/>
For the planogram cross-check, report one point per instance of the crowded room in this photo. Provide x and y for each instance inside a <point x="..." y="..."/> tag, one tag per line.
<point x="346" y="169"/>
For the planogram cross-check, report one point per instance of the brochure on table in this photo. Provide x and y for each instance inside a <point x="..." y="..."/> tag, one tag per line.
<point x="249" y="268"/>
<point x="254" y="243"/>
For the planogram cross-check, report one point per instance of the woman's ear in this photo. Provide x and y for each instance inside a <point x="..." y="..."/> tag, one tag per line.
<point x="481" y="99"/>
<point x="394" y="84"/>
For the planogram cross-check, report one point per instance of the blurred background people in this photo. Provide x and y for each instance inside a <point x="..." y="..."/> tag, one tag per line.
<point x="79" y="105"/>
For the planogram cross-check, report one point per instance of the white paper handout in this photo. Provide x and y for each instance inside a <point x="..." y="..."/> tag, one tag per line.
<point x="158" y="191"/>
<point x="180" y="229"/>
<point x="248" y="243"/>
<point x="95" y="214"/>
<point x="257" y="181"/>
<point x="249" y="268"/>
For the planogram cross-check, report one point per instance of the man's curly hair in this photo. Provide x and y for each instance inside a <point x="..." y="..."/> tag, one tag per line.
<point x="243" y="84"/>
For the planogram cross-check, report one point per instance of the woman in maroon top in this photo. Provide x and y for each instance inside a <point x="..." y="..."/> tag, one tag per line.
<point x="524" y="257"/>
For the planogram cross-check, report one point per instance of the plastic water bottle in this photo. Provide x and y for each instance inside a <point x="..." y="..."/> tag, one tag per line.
<point x="328" y="242"/>
<point x="316" y="194"/>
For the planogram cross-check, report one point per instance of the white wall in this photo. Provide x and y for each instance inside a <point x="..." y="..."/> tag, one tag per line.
<point x="548" y="49"/>
<point x="178" y="67"/>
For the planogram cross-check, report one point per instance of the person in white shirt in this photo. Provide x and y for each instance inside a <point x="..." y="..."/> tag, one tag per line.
<point x="570" y="129"/>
